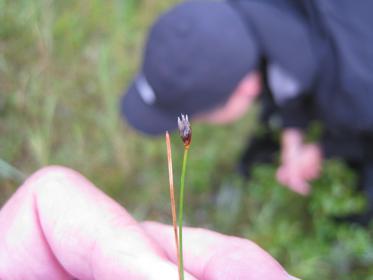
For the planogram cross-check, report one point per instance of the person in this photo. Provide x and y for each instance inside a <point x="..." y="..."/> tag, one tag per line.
<point x="58" y="225"/>
<point x="309" y="60"/>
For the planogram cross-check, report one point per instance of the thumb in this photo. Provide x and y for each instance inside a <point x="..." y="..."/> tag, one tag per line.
<point x="291" y="179"/>
<point x="299" y="185"/>
<point x="212" y="256"/>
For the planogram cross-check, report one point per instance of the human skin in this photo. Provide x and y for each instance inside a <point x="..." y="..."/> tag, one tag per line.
<point x="238" y="103"/>
<point x="300" y="162"/>
<point x="58" y="225"/>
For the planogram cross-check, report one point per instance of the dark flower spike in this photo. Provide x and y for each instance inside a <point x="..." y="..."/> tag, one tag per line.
<point x="185" y="130"/>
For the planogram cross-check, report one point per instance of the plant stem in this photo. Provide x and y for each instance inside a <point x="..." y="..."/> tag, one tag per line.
<point x="181" y="204"/>
<point x="172" y="198"/>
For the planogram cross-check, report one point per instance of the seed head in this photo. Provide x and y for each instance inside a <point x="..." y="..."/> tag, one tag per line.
<point x="185" y="130"/>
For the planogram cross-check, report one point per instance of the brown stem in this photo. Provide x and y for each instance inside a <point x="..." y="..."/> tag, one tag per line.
<point x="172" y="197"/>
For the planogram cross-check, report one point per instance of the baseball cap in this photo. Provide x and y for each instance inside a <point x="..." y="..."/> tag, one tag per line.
<point x="195" y="56"/>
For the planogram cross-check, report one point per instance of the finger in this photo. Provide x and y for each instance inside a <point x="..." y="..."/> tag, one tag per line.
<point x="311" y="173"/>
<point x="312" y="162"/>
<point x="24" y="254"/>
<point x="289" y="178"/>
<point x="59" y="226"/>
<point x="212" y="256"/>
<point x="300" y="186"/>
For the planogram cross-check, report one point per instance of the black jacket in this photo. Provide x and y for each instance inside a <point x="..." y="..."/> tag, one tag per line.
<point x="324" y="49"/>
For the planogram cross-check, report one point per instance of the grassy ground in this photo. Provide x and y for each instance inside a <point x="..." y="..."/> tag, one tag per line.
<point x="63" y="66"/>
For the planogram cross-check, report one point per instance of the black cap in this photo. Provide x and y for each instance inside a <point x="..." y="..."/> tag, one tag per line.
<point x="195" y="56"/>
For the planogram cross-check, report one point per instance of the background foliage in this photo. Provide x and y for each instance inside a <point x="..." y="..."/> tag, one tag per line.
<point x="63" y="67"/>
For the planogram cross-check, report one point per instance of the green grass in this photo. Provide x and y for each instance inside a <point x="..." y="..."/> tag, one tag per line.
<point x="63" y="67"/>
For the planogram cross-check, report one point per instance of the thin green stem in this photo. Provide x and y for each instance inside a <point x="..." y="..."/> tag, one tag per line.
<point x="181" y="204"/>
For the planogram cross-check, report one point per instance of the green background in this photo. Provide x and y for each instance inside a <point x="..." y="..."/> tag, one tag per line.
<point x="63" y="68"/>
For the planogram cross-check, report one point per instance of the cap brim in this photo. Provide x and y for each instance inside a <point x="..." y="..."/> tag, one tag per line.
<point x="147" y="119"/>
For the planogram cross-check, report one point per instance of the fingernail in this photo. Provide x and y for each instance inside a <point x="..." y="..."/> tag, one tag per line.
<point x="293" y="278"/>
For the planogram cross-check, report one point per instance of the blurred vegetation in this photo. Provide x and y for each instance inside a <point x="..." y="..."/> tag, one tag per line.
<point x="63" y="68"/>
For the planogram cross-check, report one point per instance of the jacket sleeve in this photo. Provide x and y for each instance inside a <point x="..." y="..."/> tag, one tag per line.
<point x="297" y="112"/>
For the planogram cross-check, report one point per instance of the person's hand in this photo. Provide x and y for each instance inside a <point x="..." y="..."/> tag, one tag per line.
<point x="59" y="226"/>
<point x="300" y="163"/>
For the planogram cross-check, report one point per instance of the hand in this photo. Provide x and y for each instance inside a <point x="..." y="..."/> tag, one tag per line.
<point x="59" y="226"/>
<point x="300" y="163"/>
